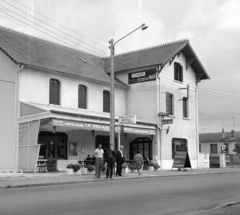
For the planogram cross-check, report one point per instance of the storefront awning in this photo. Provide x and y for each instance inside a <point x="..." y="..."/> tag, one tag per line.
<point x="100" y="127"/>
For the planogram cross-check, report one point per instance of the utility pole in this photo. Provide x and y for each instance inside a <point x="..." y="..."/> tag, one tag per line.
<point x="233" y="124"/>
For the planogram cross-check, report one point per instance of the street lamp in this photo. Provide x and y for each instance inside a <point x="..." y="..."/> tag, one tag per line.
<point x="112" y="93"/>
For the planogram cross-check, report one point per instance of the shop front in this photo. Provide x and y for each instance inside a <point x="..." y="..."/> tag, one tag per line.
<point x="67" y="137"/>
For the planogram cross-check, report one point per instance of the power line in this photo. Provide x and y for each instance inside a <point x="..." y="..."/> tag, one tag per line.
<point x="63" y="25"/>
<point x="51" y="26"/>
<point x="47" y="30"/>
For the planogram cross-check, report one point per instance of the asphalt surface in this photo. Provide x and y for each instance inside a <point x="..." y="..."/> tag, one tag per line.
<point x="159" y="192"/>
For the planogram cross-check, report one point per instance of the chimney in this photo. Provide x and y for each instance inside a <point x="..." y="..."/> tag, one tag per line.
<point x="223" y="134"/>
<point x="232" y="134"/>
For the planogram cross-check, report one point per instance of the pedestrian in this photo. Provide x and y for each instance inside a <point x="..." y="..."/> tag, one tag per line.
<point x="99" y="160"/>
<point x="110" y="159"/>
<point x="138" y="158"/>
<point x="120" y="160"/>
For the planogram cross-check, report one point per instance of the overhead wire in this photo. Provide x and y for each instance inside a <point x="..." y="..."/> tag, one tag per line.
<point x="52" y="27"/>
<point x="47" y="30"/>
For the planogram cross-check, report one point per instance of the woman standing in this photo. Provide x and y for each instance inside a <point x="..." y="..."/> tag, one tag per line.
<point x="139" y="162"/>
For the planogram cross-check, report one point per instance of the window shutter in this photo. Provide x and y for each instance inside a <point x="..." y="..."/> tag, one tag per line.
<point x="82" y="96"/>
<point x="54" y="92"/>
<point x="106" y="101"/>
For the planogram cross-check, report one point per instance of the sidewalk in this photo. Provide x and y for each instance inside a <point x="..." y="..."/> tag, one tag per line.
<point x="46" y="179"/>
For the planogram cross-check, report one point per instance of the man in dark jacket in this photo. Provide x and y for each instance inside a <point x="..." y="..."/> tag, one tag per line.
<point x="120" y="161"/>
<point x="110" y="159"/>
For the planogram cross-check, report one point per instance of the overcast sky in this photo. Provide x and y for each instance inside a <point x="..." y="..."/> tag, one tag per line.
<point x="212" y="26"/>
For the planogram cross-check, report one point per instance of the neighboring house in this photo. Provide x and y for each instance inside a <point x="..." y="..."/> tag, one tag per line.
<point x="213" y="142"/>
<point x="55" y="101"/>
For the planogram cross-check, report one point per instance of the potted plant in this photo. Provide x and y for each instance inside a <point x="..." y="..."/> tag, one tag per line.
<point x="69" y="170"/>
<point x="153" y="166"/>
<point x="125" y="167"/>
<point x="89" y="168"/>
<point x="76" y="169"/>
<point x="131" y="167"/>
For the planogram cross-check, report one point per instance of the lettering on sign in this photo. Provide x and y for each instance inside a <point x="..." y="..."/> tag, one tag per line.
<point x="138" y="77"/>
<point x="127" y="119"/>
<point x="167" y="121"/>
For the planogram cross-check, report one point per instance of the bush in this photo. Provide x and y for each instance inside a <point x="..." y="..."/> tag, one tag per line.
<point x="76" y="167"/>
<point x="70" y="166"/>
<point x="90" y="168"/>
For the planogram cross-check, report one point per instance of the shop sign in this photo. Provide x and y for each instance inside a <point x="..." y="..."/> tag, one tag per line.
<point x="99" y="127"/>
<point x="167" y="121"/>
<point x="138" y="77"/>
<point x="127" y="119"/>
<point x="181" y="159"/>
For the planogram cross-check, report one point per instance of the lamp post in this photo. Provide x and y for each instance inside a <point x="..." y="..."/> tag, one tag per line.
<point x="112" y="89"/>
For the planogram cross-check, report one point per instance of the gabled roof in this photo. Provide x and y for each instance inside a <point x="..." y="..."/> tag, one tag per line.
<point x="157" y="55"/>
<point x="31" y="51"/>
<point x="217" y="137"/>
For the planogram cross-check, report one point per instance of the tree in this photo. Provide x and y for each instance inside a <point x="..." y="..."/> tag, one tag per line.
<point x="237" y="147"/>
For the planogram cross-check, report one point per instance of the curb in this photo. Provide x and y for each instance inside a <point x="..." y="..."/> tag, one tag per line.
<point x="119" y="179"/>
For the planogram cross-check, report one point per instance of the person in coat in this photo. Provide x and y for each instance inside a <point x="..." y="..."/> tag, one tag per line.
<point x="138" y="158"/>
<point x="120" y="160"/>
<point x="110" y="159"/>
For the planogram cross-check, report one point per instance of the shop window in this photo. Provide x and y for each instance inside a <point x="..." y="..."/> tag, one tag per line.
<point x="106" y="101"/>
<point x="53" y="146"/>
<point x="143" y="145"/>
<point x="169" y="103"/>
<point x="178" y="143"/>
<point x="213" y="148"/>
<point x="178" y="72"/>
<point x="54" y="95"/>
<point x="185" y="107"/>
<point x="82" y="96"/>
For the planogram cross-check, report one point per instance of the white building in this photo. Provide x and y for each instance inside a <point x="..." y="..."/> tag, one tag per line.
<point x="58" y="98"/>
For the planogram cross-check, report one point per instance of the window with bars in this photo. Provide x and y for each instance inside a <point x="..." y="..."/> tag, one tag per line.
<point x="82" y="96"/>
<point x="185" y="107"/>
<point x="106" y="101"/>
<point x="178" y="72"/>
<point x="169" y="103"/>
<point x="54" y="93"/>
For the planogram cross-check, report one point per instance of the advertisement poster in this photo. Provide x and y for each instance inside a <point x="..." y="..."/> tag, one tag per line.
<point x="72" y="149"/>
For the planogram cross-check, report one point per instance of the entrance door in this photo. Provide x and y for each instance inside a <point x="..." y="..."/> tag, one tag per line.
<point x="53" y="146"/>
<point x="105" y="141"/>
<point x="143" y="145"/>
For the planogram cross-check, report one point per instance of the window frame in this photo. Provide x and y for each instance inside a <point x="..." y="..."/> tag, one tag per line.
<point x="82" y="103"/>
<point x="185" y="107"/>
<point x="212" y="151"/>
<point x="178" y="72"/>
<point x="52" y="95"/>
<point x="168" y="95"/>
<point x="106" y="103"/>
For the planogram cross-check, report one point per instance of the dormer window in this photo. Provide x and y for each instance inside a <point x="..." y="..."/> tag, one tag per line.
<point x="178" y="72"/>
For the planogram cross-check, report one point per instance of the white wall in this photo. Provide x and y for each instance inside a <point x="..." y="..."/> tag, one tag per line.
<point x="184" y="128"/>
<point x="7" y="111"/>
<point x="34" y="87"/>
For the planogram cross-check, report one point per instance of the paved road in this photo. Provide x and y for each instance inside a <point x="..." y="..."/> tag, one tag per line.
<point x="143" y="196"/>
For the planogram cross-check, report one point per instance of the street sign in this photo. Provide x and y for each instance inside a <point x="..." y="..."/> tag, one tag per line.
<point x="167" y="121"/>
<point x="127" y="119"/>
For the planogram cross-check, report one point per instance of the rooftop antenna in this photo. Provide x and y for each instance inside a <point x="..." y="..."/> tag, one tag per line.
<point x="203" y="128"/>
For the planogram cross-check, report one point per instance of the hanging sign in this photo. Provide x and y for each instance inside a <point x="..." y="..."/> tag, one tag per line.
<point x="167" y="121"/>
<point x="143" y="76"/>
<point x="127" y="119"/>
<point x="181" y="159"/>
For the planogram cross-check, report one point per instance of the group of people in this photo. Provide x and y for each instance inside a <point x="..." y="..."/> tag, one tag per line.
<point x="90" y="160"/>
<point x="110" y="157"/>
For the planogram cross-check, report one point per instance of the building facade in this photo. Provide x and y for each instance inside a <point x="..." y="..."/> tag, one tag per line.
<point x="56" y="102"/>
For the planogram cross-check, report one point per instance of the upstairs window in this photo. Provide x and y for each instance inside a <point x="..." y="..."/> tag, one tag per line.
<point x="213" y="148"/>
<point x="54" y="95"/>
<point x="178" y="72"/>
<point x="82" y="96"/>
<point x="106" y="101"/>
<point x="169" y="103"/>
<point x="185" y="107"/>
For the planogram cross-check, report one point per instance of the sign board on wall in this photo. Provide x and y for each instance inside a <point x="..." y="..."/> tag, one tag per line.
<point x="167" y="121"/>
<point x="143" y="76"/>
<point x="127" y="119"/>
<point x="99" y="127"/>
<point x="181" y="159"/>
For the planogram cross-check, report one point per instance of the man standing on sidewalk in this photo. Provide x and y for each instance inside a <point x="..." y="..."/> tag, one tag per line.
<point x="99" y="160"/>
<point x="120" y="161"/>
<point x="110" y="159"/>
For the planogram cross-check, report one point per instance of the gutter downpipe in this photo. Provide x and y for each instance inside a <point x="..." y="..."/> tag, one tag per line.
<point x="159" y="124"/>
<point x="197" y="134"/>
<point x="15" y="122"/>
